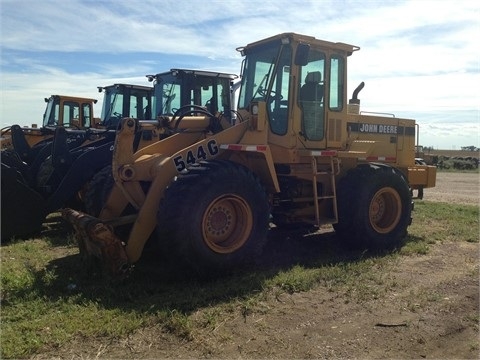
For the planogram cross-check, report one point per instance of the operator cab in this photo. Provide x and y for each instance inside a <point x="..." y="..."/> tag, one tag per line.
<point x="68" y="112"/>
<point x="297" y="77"/>
<point x="180" y="87"/>
<point x="125" y="100"/>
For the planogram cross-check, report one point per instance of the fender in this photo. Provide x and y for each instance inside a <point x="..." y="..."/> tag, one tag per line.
<point x="264" y="165"/>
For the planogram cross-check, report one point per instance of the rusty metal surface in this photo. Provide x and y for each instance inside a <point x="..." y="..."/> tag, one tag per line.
<point x="98" y="240"/>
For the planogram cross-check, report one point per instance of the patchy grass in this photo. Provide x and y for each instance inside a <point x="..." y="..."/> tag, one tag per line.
<point x="443" y="222"/>
<point x="48" y="300"/>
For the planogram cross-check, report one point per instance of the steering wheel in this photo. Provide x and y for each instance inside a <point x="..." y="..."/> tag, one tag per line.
<point x="262" y="92"/>
<point x="273" y="94"/>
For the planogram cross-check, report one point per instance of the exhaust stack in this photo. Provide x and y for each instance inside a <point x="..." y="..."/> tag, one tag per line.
<point x="354" y="103"/>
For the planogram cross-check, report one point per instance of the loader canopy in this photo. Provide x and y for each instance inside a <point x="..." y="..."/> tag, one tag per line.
<point x="68" y="111"/>
<point x="125" y="100"/>
<point x="180" y="87"/>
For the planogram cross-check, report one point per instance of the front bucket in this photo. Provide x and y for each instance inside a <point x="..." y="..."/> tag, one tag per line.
<point x="98" y="240"/>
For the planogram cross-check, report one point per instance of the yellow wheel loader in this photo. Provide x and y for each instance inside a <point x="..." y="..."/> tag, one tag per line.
<point x="67" y="111"/>
<point x="297" y="152"/>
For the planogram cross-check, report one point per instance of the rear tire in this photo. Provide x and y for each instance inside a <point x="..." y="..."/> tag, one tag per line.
<point x="374" y="206"/>
<point x="215" y="217"/>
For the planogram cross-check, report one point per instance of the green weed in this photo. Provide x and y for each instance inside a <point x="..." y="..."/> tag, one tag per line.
<point x="48" y="299"/>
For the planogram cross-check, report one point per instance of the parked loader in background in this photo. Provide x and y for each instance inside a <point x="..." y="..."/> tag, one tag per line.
<point x="173" y="89"/>
<point x="125" y="100"/>
<point x="61" y="174"/>
<point x="76" y="114"/>
<point x="61" y="110"/>
<point x="298" y="153"/>
<point x="38" y="179"/>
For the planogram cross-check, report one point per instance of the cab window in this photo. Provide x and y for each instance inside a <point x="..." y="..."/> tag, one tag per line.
<point x="71" y="113"/>
<point x="87" y="115"/>
<point x="278" y="99"/>
<point x="265" y="80"/>
<point x="139" y="106"/>
<point x="337" y="69"/>
<point x="311" y="96"/>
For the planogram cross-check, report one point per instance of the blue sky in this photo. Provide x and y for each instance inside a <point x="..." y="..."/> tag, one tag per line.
<point x="419" y="59"/>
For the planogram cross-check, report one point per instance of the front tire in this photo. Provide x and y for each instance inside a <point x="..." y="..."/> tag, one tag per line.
<point x="98" y="190"/>
<point x="215" y="217"/>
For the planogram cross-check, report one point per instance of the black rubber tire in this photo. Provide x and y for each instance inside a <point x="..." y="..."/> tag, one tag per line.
<point x="374" y="207"/>
<point x="346" y="195"/>
<point x="98" y="190"/>
<point x="47" y="177"/>
<point x="215" y="218"/>
<point x="96" y="195"/>
<point x="44" y="173"/>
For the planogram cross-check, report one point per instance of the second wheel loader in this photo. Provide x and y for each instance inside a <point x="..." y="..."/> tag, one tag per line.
<point x="298" y="152"/>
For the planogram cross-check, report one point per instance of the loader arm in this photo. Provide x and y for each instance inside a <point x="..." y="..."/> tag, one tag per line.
<point x="129" y="169"/>
<point x="164" y="168"/>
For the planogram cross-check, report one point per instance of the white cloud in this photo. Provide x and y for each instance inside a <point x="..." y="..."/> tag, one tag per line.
<point x="421" y="57"/>
<point x="25" y="105"/>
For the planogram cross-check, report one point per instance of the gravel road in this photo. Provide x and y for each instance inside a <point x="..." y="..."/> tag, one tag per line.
<point x="451" y="187"/>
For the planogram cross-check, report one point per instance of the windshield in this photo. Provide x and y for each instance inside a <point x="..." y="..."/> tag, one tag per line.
<point x="257" y="72"/>
<point x="266" y="77"/>
<point x="50" y="118"/>
<point x="167" y="94"/>
<point x="126" y="101"/>
<point x="177" y="89"/>
<point x="111" y="112"/>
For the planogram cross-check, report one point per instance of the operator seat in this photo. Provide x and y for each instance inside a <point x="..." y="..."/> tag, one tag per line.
<point x="311" y="100"/>
<point x="147" y="115"/>
<point x="312" y="90"/>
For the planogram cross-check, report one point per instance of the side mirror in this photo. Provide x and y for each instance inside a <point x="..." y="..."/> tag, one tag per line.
<point x="301" y="56"/>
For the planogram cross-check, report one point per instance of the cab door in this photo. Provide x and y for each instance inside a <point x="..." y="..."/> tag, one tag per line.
<point x="336" y="104"/>
<point x="311" y="100"/>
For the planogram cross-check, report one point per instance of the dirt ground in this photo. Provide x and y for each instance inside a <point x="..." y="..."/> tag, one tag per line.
<point x="406" y="324"/>
<point x="460" y="188"/>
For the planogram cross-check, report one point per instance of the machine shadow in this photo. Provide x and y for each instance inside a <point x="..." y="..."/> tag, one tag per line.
<point x="157" y="282"/>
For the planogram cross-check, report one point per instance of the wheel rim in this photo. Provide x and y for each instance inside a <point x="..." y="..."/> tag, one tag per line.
<point x="227" y="224"/>
<point x="385" y="210"/>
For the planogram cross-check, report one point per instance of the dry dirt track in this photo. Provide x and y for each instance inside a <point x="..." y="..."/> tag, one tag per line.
<point x="428" y="312"/>
<point x="452" y="187"/>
